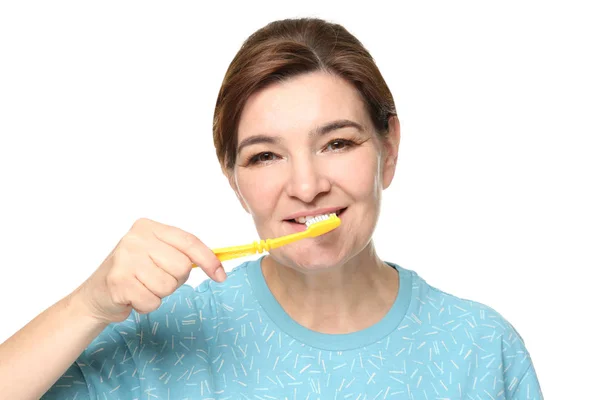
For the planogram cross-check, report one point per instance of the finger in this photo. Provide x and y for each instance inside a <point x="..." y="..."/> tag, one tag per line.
<point x="169" y="259"/>
<point x="142" y="299"/>
<point x="192" y="247"/>
<point x="156" y="280"/>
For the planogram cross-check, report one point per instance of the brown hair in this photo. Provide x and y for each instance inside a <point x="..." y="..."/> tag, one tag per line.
<point x="286" y="48"/>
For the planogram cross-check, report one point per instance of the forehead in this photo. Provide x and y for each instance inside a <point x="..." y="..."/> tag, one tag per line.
<point x="301" y="103"/>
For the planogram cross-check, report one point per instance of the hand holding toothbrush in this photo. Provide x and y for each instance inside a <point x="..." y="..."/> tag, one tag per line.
<point x="150" y="262"/>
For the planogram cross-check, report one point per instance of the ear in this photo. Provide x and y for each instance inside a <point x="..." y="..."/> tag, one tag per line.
<point x="391" y="146"/>
<point x="230" y="175"/>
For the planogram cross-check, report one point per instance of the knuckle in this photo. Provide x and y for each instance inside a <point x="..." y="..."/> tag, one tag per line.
<point x="132" y="249"/>
<point x="189" y="240"/>
<point x="183" y="278"/>
<point x="141" y="224"/>
<point x="210" y="264"/>
<point x="170" y="285"/>
<point x="121" y="253"/>
<point x="182" y="266"/>
<point x="129" y="242"/>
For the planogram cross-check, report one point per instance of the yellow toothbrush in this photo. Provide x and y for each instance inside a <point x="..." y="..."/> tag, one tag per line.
<point x="315" y="227"/>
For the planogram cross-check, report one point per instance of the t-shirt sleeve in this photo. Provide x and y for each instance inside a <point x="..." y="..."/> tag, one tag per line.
<point x="520" y="380"/>
<point x="71" y="385"/>
<point x="105" y="366"/>
<point x="528" y="388"/>
<point x="119" y="363"/>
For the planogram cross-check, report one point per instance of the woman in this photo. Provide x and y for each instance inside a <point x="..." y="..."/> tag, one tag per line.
<point x="304" y="125"/>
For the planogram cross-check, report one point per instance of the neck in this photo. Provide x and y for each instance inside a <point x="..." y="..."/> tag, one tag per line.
<point x="340" y="299"/>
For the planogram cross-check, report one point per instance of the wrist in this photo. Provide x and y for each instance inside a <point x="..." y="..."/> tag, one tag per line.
<point x="76" y="306"/>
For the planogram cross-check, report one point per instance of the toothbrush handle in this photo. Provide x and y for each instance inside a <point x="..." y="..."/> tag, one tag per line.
<point x="283" y="240"/>
<point x="230" y="253"/>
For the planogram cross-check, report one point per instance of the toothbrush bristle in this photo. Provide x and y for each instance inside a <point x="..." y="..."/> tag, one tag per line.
<point x="317" y="219"/>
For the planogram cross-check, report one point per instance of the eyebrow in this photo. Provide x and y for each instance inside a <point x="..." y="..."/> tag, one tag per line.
<point x="319" y="131"/>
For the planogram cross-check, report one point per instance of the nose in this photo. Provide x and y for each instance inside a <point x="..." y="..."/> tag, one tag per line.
<point x="307" y="180"/>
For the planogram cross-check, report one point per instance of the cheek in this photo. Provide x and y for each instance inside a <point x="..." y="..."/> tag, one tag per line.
<point x="260" y="190"/>
<point x="358" y="175"/>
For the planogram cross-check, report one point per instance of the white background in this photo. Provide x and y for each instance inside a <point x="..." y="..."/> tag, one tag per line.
<point x="106" y="113"/>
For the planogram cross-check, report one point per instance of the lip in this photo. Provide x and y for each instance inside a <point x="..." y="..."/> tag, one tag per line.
<point x="312" y="213"/>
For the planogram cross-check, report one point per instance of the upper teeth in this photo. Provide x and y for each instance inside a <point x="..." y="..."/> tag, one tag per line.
<point x="312" y="219"/>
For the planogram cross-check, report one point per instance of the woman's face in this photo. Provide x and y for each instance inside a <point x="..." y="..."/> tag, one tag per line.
<point x="306" y="147"/>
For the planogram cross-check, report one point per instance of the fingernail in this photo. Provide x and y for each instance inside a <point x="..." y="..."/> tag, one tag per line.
<point x="220" y="274"/>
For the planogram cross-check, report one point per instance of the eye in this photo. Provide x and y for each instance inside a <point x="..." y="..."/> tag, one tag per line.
<point x="339" y="144"/>
<point x="264" y="157"/>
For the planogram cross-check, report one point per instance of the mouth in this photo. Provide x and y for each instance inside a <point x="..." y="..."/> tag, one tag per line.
<point x="302" y="219"/>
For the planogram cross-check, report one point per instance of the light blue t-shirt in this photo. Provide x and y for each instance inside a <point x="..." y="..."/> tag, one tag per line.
<point x="233" y="340"/>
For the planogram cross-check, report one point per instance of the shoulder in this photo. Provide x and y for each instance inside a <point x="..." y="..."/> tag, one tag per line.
<point x="474" y="328"/>
<point x="465" y="320"/>
<point x="469" y="335"/>
<point x="447" y="309"/>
